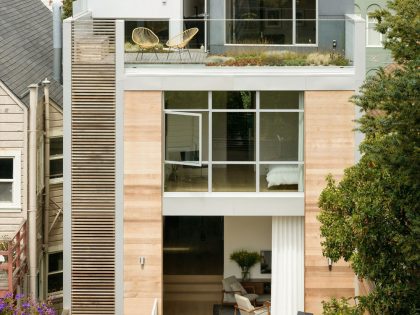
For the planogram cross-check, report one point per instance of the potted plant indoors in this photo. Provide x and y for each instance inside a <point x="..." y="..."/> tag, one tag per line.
<point x="246" y="260"/>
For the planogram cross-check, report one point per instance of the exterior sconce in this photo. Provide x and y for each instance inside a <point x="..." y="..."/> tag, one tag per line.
<point x="142" y="261"/>
<point x="329" y="264"/>
<point x="164" y="2"/>
<point x="334" y="44"/>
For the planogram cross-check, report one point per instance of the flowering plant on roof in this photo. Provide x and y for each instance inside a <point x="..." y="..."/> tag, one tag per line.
<point x="19" y="305"/>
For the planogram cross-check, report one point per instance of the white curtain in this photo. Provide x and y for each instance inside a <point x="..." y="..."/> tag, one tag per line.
<point x="287" y="271"/>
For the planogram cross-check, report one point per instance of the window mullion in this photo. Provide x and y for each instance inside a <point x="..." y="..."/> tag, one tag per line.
<point x="257" y="142"/>
<point x="210" y="153"/>
<point x="294" y="22"/>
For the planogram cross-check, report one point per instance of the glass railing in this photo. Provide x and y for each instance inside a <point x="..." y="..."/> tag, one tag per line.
<point x="248" y="41"/>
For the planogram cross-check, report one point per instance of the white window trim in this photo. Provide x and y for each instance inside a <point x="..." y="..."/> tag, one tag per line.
<point x="16" y="204"/>
<point x="373" y="22"/>
<point x="258" y="163"/>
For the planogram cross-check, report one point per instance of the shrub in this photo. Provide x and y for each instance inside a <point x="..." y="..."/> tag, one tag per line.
<point x="339" y="307"/>
<point x="18" y="305"/>
<point x="318" y="59"/>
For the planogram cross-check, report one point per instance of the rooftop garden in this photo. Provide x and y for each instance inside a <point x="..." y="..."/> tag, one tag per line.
<point x="277" y="58"/>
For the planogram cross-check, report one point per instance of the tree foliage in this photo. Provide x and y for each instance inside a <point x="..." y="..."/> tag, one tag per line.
<point x="371" y="217"/>
<point x="67" y="8"/>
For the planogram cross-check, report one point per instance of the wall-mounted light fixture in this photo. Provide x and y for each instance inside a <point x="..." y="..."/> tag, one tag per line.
<point x="164" y="2"/>
<point x="330" y="264"/>
<point x="334" y="44"/>
<point x="142" y="261"/>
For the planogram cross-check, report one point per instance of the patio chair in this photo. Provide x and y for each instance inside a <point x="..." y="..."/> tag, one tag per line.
<point x="246" y="308"/>
<point x="145" y="39"/>
<point x="232" y="286"/>
<point x="181" y="41"/>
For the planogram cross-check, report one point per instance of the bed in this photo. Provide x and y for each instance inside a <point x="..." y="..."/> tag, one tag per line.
<point x="278" y="175"/>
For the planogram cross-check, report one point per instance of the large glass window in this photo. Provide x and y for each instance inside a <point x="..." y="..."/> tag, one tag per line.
<point x="250" y="142"/>
<point x="270" y="22"/>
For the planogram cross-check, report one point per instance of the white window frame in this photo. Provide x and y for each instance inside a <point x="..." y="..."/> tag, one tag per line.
<point x="200" y="137"/>
<point x="372" y="22"/>
<point x="16" y="204"/>
<point x="53" y="273"/>
<point x="257" y="162"/>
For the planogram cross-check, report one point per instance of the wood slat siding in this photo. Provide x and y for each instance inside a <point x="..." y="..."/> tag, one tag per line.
<point x="329" y="148"/>
<point x="13" y="127"/>
<point x="93" y="167"/>
<point x="142" y="201"/>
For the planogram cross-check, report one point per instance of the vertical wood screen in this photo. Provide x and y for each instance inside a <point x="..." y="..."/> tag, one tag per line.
<point x="93" y="167"/>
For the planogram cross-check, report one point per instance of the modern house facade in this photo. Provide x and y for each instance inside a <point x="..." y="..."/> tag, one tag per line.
<point x="31" y="159"/>
<point x="172" y="163"/>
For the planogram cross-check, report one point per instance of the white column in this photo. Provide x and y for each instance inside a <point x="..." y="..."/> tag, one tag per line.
<point x="287" y="287"/>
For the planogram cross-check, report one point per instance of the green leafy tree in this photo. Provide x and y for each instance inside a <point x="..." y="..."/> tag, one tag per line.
<point x="67" y="8"/>
<point x="371" y="217"/>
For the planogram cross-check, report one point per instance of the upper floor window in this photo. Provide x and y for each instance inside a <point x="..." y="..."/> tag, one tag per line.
<point x="233" y="141"/>
<point x="10" y="179"/>
<point x="373" y="37"/>
<point x="279" y="22"/>
<point x="56" y="157"/>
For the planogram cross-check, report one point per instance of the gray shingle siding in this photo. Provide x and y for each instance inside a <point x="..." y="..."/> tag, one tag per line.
<point x="26" y="47"/>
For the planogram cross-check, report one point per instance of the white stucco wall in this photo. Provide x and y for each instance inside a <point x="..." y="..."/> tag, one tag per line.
<point x="250" y="233"/>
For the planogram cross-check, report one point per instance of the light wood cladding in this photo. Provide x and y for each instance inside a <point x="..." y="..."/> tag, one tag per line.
<point x="329" y="148"/>
<point x="93" y="169"/>
<point x="142" y="201"/>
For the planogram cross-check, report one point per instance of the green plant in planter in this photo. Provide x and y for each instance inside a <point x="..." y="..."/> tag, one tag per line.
<point x="246" y="260"/>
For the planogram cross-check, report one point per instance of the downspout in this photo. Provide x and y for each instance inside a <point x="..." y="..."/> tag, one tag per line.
<point x="46" y="85"/>
<point x="33" y="103"/>
<point x="57" y="40"/>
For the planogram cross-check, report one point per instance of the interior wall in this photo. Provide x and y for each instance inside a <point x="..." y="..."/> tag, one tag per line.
<point x="250" y="233"/>
<point x="189" y="7"/>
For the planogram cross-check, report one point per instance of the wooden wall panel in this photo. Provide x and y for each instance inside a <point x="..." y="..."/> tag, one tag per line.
<point x="142" y="201"/>
<point x="329" y="148"/>
<point x="93" y="158"/>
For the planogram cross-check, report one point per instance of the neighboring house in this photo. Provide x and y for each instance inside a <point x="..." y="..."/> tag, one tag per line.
<point x="31" y="177"/>
<point x="171" y="164"/>
<point x="376" y="55"/>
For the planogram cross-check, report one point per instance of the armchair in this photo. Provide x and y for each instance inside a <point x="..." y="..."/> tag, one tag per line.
<point x="231" y="286"/>
<point x="246" y="308"/>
